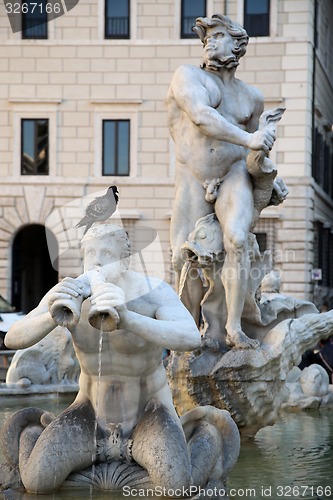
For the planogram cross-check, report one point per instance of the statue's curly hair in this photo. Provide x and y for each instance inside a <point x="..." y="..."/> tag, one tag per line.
<point x="234" y="29"/>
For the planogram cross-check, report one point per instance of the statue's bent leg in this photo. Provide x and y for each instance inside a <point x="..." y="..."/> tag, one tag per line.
<point x="67" y="444"/>
<point x="159" y="446"/>
<point x="214" y="444"/>
<point x="12" y="429"/>
<point x="28" y="422"/>
<point x="234" y="209"/>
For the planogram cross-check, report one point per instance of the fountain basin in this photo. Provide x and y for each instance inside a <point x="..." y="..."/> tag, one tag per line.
<point x="297" y="452"/>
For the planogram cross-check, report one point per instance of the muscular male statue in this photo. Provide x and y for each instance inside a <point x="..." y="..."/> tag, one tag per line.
<point x="123" y="390"/>
<point x="213" y="120"/>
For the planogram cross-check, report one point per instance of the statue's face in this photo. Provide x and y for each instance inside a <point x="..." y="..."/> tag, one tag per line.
<point x="221" y="48"/>
<point x="104" y="254"/>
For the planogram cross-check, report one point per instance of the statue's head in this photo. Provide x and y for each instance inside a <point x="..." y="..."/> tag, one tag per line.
<point x="106" y="245"/>
<point x="218" y="26"/>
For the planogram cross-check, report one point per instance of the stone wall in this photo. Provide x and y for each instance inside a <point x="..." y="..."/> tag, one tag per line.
<point x="76" y="79"/>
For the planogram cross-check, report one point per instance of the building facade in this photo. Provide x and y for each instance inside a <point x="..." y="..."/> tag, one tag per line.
<point x="83" y="107"/>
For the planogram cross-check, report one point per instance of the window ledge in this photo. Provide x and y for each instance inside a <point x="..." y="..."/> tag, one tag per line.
<point x="116" y="101"/>
<point x="37" y="101"/>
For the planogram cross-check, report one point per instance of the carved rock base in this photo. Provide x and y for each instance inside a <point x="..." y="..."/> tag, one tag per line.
<point x="249" y="383"/>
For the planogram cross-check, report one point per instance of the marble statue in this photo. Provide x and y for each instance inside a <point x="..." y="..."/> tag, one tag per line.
<point x="222" y="139"/>
<point x="251" y="334"/>
<point x="122" y="429"/>
<point x="308" y="388"/>
<point x="51" y="363"/>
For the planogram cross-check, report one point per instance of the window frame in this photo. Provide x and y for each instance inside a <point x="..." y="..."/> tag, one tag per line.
<point x="117" y="37"/>
<point x="185" y="35"/>
<point x="44" y="24"/>
<point x="268" y="22"/>
<point x="266" y="225"/>
<point x="322" y="161"/>
<point x="47" y="149"/>
<point x="117" y="110"/>
<point x="323" y="257"/>
<point x="116" y="152"/>
<point x="35" y="110"/>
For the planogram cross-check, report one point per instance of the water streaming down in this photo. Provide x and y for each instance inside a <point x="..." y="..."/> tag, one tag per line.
<point x="100" y="347"/>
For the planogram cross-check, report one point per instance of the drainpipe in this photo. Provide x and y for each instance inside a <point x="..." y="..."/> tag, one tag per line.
<point x="313" y="122"/>
<point x="315" y="16"/>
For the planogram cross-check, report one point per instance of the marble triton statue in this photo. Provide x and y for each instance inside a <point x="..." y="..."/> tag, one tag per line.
<point x="123" y="418"/>
<point x="215" y="120"/>
<point x="251" y="338"/>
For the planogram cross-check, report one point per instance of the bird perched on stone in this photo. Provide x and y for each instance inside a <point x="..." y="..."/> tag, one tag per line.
<point x="100" y="209"/>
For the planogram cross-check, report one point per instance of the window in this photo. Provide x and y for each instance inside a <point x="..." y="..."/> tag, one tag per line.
<point x="106" y="137"/>
<point x="34" y="147"/>
<point x="322" y="163"/>
<point x="318" y="158"/>
<point x="116" y="147"/>
<point x="323" y="255"/>
<point x="265" y="234"/>
<point x="34" y="22"/>
<point x="117" y="18"/>
<point x="262" y="241"/>
<point x="191" y="9"/>
<point x="256" y="17"/>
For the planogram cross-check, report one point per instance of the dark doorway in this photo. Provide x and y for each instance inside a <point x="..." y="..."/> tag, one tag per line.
<point x="32" y="272"/>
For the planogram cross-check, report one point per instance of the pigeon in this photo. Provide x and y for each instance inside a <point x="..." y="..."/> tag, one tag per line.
<point x="101" y="208"/>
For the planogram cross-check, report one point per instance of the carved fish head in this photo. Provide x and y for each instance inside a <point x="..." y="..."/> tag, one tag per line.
<point x="205" y="242"/>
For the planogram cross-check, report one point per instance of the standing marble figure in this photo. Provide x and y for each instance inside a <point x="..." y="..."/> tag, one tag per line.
<point x="213" y="119"/>
<point x="123" y="413"/>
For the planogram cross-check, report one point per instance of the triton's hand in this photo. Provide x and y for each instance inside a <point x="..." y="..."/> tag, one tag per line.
<point x="68" y="288"/>
<point x="106" y="297"/>
<point x="262" y="139"/>
<point x="64" y="302"/>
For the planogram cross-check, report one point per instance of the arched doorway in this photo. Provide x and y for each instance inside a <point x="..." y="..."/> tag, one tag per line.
<point x="32" y="272"/>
